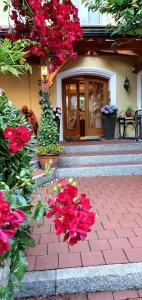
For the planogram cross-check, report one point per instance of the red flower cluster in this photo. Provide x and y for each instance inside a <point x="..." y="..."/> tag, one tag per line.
<point x="53" y="24"/>
<point x="72" y="213"/>
<point x="10" y="221"/>
<point x="18" y="137"/>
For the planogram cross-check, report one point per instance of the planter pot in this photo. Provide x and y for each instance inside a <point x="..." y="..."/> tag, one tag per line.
<point x="128" y="114"/>
<point x="45" y="159"/>
<point x="109" y="127"/>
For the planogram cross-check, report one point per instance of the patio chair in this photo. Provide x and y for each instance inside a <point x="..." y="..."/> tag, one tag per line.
<point x="138" y="125"/>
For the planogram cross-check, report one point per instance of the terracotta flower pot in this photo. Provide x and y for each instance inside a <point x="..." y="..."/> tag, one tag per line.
<point x="45" y="159"/>
<point x="128" y="114"/>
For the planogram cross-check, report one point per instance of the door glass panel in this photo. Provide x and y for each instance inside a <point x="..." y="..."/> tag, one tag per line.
<point x="71" y="106"/>
<point x="95" y="98"/>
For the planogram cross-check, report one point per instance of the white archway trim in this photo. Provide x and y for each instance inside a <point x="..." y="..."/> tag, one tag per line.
<point x="139" y="90"/>
<point x="111" y="76"/>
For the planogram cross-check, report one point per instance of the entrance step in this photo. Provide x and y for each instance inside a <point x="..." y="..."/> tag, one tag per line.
<point x="70" y="161"/>
<point x="107" y="170"/>
<point x="103" y="147"/>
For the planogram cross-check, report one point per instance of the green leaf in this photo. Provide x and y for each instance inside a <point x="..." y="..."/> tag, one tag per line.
<point x="19" y="265"/>
<point x="39" y="211"/>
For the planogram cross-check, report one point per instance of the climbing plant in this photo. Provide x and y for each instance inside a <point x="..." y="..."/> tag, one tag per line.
<point x="127" y="14"/>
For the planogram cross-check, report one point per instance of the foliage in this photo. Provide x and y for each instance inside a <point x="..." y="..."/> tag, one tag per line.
<point x="129" y="109"/>
<point x="109" y="110"/>
<point x="126" y="13"/>
<point x="54" y="25"/>
<point x="12" y="59"/>
<point x="14" y="169"/>
<point x="48" y="131"/>
<point x="16" y="184"/>
<point x="52" y="149"/>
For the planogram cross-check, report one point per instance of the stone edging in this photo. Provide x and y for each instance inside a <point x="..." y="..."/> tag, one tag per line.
<point x="82" y="280"/>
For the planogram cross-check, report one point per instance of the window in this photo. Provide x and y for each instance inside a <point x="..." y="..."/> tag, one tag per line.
<point x="88" y="17"/>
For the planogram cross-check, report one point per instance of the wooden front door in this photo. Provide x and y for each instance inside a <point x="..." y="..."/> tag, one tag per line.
<point x="82" y="99"/>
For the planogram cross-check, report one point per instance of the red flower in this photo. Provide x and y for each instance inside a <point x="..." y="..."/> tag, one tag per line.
<point x="9" y="222"/>
<point x="18" y="137"/>
<point x="16" y="218"/>
<point x="10" y="133"/>
<point x="5" y="235"/>
<point x="23" y="133"/>
<point x="72" y="213"/>
<point x="15" y="146"/>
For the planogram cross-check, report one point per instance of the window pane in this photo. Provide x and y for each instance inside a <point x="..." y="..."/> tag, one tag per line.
<point x="86" y="17"/>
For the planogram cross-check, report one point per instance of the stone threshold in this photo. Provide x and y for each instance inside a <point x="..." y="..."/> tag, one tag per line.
<point x="82" y="280"/>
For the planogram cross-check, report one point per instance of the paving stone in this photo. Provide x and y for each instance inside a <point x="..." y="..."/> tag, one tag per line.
<point x="120" y="243"/>
<point x="93" y="258"/>
<point x="134" y="255"/>
<point x="106" y="234"/>
<point x="121" y="295"/>
<point x="99" y="245"/>
<point x="115" y="256"/>
<point x="100" y="296"/>
<point x="58" y="248"/>
<point x="80" y="247"/>
<point x="46" y="262"/>
<point x="69" y="260"/>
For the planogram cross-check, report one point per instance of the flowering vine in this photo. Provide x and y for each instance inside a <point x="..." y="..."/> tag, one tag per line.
<point x="54" y="26"/>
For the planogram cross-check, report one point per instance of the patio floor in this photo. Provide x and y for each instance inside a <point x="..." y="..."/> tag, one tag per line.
<point x="115" y="238"/>
<point x="119" y="295"/>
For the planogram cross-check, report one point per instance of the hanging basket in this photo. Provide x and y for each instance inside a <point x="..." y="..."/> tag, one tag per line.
<point x="109" y="127"/>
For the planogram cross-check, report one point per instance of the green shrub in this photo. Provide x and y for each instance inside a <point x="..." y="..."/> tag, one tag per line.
<point x="48" y="131"/>
<point x="51" y="149"/>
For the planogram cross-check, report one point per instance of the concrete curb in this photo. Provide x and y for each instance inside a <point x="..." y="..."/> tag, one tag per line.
<point x="82" y="280"/>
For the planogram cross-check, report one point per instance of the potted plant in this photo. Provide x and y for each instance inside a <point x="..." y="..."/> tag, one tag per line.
<point x="129" y="111"/>
<point x="49" y="154"/>
<point x="109" y="113"/>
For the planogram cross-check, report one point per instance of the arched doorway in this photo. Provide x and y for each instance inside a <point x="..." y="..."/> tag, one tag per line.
<point x="83" y="96"/>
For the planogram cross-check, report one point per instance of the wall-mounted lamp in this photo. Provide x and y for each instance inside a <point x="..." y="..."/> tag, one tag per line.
<point x="44" y="73"/>
<point x="126" y="84"/>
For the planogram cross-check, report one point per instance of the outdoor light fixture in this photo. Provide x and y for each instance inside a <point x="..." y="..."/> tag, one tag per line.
<point x="126" y="84"/>
<point x="44" y="73"/>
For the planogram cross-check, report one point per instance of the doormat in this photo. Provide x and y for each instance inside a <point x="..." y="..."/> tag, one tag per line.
<point x="90" y="138"/>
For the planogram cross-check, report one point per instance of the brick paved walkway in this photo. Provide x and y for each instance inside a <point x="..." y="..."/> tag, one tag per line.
<point x="115" y="238"/>
<point x="120" y="295"/>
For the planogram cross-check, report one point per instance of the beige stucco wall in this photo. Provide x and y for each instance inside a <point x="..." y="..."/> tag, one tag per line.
<point x="121" y="65"/>
<point x="23" y="91"/>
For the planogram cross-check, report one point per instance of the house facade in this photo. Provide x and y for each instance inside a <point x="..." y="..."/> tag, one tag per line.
<point x="93" y="80"/>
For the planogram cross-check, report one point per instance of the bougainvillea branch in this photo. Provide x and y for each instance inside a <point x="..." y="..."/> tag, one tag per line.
<point x="54" y="25"/>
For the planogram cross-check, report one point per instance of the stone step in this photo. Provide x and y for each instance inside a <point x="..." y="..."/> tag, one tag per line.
<point x="103" y="147"/>
<point x="39" y="178"/>
<point x="70" y="161"/>
<point x="100" y="153"/>
<point x="34" y="164"/>
<point x="108" y="170"/>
